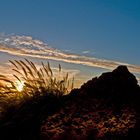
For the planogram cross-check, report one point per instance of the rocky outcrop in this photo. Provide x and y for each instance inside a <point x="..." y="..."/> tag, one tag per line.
<point x="104" y="108"/>
<point x="119" y="86"/>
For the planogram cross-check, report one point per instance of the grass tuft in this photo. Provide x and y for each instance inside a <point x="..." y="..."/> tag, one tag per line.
<point x="34" y="81"/>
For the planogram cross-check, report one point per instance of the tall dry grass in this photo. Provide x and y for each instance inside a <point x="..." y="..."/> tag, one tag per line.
<point x="35" y="81"/>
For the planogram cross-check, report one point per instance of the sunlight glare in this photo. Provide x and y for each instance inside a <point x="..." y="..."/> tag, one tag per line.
<point x="19" y="85"/>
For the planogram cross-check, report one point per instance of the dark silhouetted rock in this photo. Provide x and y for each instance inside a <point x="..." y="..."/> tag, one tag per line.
<point x="105" y="108"/>
<point x="119" y="86"/>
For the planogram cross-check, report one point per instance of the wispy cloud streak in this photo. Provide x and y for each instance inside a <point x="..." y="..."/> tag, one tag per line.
<point x="27" y="46"/>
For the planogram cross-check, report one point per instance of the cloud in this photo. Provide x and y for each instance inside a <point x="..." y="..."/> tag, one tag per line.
<point x="86" y="52"/>
<point x="27" y="46"/>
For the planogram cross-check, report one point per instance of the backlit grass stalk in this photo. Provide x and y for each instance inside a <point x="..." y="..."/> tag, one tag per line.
<point x="37" y="81"/>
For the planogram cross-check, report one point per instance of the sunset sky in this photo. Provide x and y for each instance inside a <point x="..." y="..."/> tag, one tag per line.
<point x="87" y="37"/>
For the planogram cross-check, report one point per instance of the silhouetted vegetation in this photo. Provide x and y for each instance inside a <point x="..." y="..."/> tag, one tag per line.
<point x="41" y="92"/>
<point x="104" y="108"/>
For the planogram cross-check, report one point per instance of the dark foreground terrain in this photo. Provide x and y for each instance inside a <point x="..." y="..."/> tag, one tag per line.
<point x="104" y="108"/>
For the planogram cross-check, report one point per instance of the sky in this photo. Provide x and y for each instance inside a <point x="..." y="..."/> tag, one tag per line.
<point x="87" y="37"/>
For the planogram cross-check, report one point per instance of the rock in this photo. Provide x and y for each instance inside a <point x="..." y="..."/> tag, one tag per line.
<point x="103" y="108"/>
<point x="119" y="84"/>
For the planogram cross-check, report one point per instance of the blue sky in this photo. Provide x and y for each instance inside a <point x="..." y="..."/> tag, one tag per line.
<point x="104" y="29"/>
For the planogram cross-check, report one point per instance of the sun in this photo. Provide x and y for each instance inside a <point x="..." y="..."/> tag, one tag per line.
<point x="19" y="85"/>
